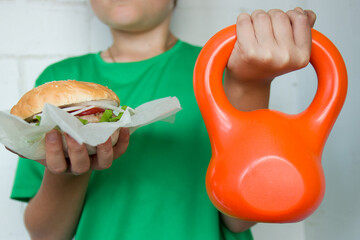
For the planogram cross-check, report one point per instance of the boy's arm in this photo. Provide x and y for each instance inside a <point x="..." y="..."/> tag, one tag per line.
<point x="268" y="44"/>
<point x="54" y="212"/>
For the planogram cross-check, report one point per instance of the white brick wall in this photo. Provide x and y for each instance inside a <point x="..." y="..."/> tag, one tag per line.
<point x="44" y="28"/>
<point x="33" y="34"/>
<point x="37" y="33"/>
<point x="10" y="79"/>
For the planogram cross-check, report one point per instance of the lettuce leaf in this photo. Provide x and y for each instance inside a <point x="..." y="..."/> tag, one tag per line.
<point x="39" y="119"/>
<point x="108" y="115"/>
<point x="83" y="121"/>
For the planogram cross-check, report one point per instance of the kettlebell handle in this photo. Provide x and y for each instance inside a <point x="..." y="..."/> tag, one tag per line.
<point x="318" y="118"/>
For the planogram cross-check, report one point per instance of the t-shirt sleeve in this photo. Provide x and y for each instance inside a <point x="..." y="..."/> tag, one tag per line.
<point x="29" y="173"/>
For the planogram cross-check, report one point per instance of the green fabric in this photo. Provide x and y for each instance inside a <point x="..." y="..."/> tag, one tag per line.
<point x="156" y="190"/>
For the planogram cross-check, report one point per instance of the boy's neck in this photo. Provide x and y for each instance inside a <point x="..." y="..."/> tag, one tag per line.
<point x="136" y="46"/>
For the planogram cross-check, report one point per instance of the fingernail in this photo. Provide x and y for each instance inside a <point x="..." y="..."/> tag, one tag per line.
<point x="51" y="137"/>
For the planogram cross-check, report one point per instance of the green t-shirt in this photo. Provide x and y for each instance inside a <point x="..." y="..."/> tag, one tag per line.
<point x="156" y="190"/>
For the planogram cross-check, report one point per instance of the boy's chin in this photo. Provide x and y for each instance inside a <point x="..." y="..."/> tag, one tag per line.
<point x="132" y="16"/>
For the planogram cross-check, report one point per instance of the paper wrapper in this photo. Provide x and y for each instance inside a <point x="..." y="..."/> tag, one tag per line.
<point x="28" y="140"/>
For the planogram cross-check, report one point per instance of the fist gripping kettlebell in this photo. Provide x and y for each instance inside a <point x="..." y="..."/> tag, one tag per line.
<point x="266" y="165"/>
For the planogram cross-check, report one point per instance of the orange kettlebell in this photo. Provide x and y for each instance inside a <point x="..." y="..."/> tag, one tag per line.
<point x="266" y="165"/>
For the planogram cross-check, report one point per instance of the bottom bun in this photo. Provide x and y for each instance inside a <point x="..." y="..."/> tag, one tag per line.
<point x="91" y="150"/>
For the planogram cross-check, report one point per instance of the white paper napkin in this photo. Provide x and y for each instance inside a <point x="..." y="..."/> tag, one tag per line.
<point x="28" y="139"/>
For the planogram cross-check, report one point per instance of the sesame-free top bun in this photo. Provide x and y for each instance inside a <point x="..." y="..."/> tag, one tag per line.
<point x="61" y="93"/>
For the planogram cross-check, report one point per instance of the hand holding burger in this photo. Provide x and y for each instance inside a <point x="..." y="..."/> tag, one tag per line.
<point x="90" y="103"/>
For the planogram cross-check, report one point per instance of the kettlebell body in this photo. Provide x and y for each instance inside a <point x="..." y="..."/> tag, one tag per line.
<point x="266" y="165"/>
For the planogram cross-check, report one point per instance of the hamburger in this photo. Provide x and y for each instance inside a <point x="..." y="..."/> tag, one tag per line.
<point x="89" y="102"/>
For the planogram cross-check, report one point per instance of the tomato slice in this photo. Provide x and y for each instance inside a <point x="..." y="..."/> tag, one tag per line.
<point x="90" y="111"/>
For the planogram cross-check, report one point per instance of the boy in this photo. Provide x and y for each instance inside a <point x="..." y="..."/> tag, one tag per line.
<point x="155" y="189"/>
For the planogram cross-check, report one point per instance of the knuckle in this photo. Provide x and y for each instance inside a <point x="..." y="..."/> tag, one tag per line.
<point x="99" y="163"/>
<point x="303" y="61"/>
<point x="105" y="155"/>
<point x="105" y="164"/>
<point x="54" y="150"/>
<point x="267" y="57"/>
<point x="301" y="18"/>
<point x="289" y="60"/>
<point x="80" y="163"/>
<point x="260" y="15"/>
<point x="243" y="18"/>
<point x="262" y="58"/>
<point x="298" y="16"/>
<point x="76" y="149"/>
<point x="80" y="169"/>
<point x="248" y="55"/>
<point x="105" y="148"/>
<point x="258" y="12"/>
<point x="105" y="152"/>
<point x="284" y="60"/>
<point x="280" y="15"/>
<point x="274" y="10"/>
<point x="57" y="169"/>
<point x="53" y="143"/>
<point x="291" y="12"/>
<point x="72" y="144"/>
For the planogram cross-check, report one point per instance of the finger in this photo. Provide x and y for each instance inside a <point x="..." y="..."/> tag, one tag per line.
<point x="123" y="142"/>
<point x="263" y="28"/>
<point x="282" y="28"/>
<point x="15" y="152"/>
<point x="104" y="156"/>
<point x="311" y="16"/>
<point x="301" y="28"/>
<point x="79" y="157"/>
<point x="55" y="160"/>
<point x="245" y="32"/>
